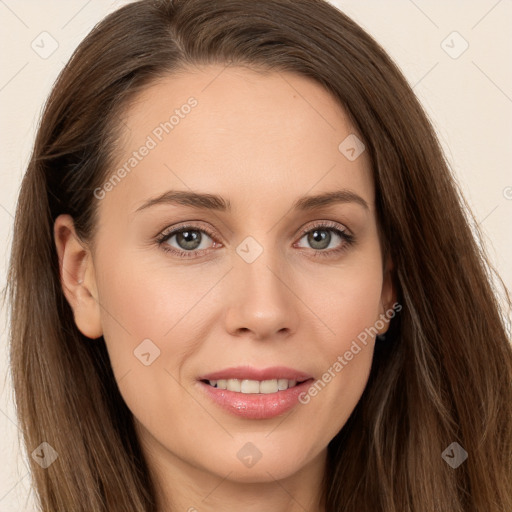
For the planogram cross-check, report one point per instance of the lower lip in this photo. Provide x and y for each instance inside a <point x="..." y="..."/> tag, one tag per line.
<point x="256" y="406"/>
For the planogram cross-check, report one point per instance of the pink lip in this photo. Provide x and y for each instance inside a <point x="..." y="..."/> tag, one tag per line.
<point x="247" y="372"/>
<point x="256" y="405"/>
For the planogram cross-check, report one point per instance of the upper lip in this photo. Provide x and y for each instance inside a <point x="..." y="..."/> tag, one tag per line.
<point x="250" y="373"/>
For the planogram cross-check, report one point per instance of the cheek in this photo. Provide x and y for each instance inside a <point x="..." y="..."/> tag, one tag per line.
<point x="350" y="311"/>
<point x="141" y="315"/>
<point x="142" y="298"/>
<point x="152" y="317"/>
<point x="356" y="304"/>
<point x="148" y="298"/>
<point x="348" y="299"/>
<point x="170" y="310"/>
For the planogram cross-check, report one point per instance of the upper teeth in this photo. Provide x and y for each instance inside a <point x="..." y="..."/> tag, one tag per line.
<point x="253" y="386"/>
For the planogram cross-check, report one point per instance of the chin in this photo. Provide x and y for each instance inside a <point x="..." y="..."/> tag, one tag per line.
<point x="260" y="460"/>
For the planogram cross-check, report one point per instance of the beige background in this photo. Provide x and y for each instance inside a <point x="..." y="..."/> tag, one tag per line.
<point x="468" y="98"/>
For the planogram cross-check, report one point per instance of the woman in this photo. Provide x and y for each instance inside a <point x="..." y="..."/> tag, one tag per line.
<point x="242" y="276"/>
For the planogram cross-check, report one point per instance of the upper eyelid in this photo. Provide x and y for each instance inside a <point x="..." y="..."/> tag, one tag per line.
<point x="343" y="232"/>
<point x="167" y="232"/>
<point x="328" y="225"/>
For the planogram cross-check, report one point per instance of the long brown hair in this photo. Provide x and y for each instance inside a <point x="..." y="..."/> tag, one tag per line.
<point x="442" y="374"/>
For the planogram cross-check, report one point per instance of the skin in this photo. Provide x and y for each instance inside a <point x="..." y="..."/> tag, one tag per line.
<point x="261" y="141"/>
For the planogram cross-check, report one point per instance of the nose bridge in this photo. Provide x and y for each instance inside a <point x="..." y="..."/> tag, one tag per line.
<point x="262" y="300"/>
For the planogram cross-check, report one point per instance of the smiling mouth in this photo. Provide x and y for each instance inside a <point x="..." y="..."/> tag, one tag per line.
<point x="248" y="386"/>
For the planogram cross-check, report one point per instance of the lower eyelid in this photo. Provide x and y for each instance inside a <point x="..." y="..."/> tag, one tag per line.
<point x="346" y="238"/>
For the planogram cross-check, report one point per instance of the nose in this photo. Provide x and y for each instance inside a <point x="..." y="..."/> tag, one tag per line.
<point x="262" y="304"/>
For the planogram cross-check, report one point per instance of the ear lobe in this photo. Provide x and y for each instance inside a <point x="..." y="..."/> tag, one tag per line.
<point x="77" y="277"/>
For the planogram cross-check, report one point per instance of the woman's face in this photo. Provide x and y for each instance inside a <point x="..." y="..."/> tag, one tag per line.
<point x="264" y="284"/>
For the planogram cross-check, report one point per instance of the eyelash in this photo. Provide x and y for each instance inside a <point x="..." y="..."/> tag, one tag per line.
<point x="348" y="239"/>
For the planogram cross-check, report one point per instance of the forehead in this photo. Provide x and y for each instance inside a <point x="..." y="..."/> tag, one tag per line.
<point x="235" y="130"/>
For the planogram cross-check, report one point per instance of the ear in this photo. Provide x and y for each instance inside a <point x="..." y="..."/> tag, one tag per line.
<point x="77" y="277"/>
<point x="388" y="295"/>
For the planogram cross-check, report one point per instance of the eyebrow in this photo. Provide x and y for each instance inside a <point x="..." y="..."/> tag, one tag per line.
<point x="218" y="203"/>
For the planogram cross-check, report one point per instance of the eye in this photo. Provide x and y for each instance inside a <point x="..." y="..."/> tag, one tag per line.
<point x="188" y="241"/>
<point x="191" y="241"/>
<point x="326" y="239"/>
